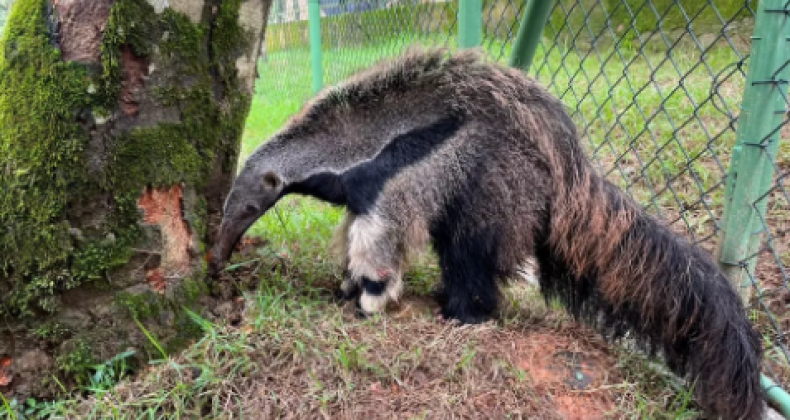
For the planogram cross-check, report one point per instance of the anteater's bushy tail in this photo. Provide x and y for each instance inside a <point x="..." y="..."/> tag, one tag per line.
<point x="612" y="264"/>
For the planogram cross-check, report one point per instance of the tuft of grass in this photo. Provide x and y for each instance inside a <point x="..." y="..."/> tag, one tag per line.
<point x="151" y="338"/>
<point x="8" y="408"/>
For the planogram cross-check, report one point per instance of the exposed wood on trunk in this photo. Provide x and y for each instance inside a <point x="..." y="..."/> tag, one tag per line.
<point x="81" y="26"/>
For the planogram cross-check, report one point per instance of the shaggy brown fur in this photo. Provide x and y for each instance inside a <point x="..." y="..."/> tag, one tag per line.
<point x="487" y="164"/>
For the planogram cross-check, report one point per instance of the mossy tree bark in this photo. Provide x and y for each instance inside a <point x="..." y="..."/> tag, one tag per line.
<point x="120" y="125"/>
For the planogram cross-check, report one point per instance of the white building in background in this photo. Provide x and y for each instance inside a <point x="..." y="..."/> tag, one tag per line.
<point x="294" y="10"/>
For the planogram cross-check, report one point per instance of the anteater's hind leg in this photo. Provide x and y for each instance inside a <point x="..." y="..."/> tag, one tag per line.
<point x="470" y="292"/>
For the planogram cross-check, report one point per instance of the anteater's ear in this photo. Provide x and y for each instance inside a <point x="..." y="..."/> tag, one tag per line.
<point x="271" y="180"/>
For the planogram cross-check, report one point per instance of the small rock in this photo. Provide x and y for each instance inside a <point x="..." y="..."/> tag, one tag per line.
<point x="77" y="234"/>
<point x="34" y="361"/>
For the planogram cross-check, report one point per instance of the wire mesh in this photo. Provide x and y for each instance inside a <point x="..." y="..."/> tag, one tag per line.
<point x="655" y="87"/>
<point x="371" y="30"/>
<point x="355" y="34"/>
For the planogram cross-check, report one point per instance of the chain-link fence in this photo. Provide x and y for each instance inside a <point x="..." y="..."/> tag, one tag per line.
<point x="355" y="34"/>
<point x="656" y="88"/>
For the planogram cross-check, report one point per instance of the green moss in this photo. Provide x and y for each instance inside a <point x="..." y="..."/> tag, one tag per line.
<point x="156" y="310"/>
<point x="53" y="331"/>
<point x="42" y="100"/>
<point x="198" y="220"/>
<point x="149" y="305"/>
<point x="189" y="292"/>
<point x="77" y="362"/>
<point x="161" y="156"/>
<point x="140" y="305"/>
<point x="100" y="255"/>
<point x="228" y="41"/>
<point x="42" y="144"/>
<point x="130" y="24"/>
<point x="185" y="151"/>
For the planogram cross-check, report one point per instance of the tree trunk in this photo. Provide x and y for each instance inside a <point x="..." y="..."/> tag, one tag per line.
<point x="120" y="126"/>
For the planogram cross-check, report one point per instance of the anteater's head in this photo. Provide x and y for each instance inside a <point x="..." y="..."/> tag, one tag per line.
<point x="254" y="192"/>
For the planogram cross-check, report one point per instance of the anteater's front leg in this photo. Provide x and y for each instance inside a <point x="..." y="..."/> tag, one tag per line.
<point x="338" y="250"/>
<point x="375" y="263"/>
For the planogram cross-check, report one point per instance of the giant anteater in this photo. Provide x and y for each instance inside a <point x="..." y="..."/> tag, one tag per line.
<point x="484" y="164"/>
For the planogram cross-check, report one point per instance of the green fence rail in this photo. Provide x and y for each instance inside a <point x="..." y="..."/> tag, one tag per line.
<point x="658" y="88"/>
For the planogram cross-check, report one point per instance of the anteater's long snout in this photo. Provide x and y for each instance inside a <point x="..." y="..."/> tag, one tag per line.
<point x="231" y="230"/>
<point x="220" y="253"/>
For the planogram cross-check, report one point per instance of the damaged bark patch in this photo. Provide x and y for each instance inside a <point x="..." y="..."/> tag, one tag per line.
<point x="6" y="376"/>
<point x="135" y="69"/>
<point x="156" y="280"/>
<point x="164" y="207"/>
<point x="81" y="26"/>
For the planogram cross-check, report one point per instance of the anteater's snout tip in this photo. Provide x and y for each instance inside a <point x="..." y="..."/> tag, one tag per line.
<point x="214" y="264"/>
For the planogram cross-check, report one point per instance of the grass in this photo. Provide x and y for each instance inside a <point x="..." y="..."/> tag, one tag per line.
<point x="297" y="355"/>
<point x="652" y="125"/>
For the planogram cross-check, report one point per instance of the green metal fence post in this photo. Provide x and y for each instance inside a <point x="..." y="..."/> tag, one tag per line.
<point x="529" y="33"/>
<point x="777" y="395"/>
<point x="470" y="23"/>
<point x="316" y="61"/>
<point x="751" y="169"/>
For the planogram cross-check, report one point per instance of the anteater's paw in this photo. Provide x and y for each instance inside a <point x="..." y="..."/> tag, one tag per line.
<point x="441" y="319"/>
<point x="439" y="296"/>
<point x="347" y="292"/>
<point x="464" y="315"/>
<point x="359" y="312"/>
<point x="341" y="296"/>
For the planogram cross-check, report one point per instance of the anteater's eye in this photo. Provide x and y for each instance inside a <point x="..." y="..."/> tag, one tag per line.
<point x="271" y="180"/>
<point x="251" y="209"/>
